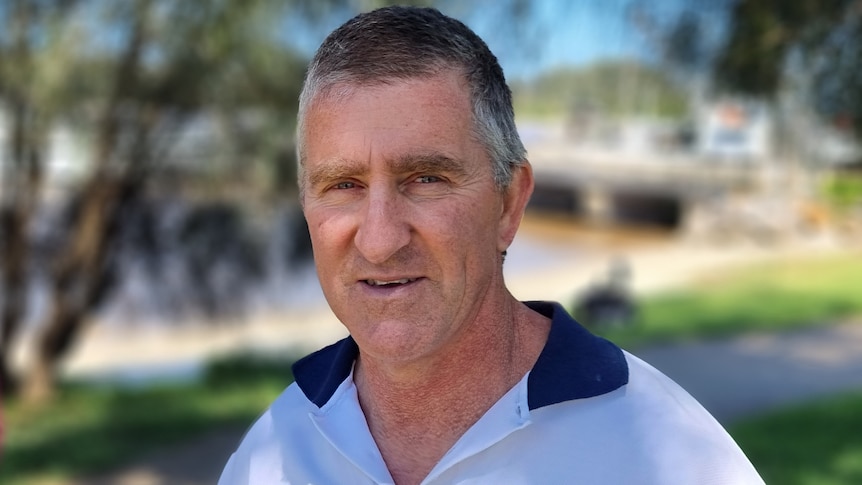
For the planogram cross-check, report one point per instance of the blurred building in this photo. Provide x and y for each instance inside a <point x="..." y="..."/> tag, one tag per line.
<point x="735" y="130"/>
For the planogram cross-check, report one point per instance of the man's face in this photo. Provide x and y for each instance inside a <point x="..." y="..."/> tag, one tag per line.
<point x="406" y="222"/>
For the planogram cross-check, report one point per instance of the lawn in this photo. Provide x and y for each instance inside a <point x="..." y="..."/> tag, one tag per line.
<point x="88" y="429"/>
<point x="812" y="444"/>
<point x="774" y="296"/>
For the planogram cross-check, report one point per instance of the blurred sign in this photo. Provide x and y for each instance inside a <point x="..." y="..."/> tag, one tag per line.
<point x="733" y="129"/>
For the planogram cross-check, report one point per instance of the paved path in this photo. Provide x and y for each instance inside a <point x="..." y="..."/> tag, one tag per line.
<point x="757" y="373"/>
<point x="732" y="378"/>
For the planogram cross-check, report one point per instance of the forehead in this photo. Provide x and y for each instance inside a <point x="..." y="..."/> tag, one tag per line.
<point x="426" y="115"/>
<point x="423" y="92"/>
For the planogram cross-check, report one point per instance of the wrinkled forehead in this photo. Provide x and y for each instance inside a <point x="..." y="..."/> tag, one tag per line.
<point x="337" y="89"/>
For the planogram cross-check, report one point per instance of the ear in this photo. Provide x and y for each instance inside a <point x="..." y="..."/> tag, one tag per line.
<point x="515" y="199"/>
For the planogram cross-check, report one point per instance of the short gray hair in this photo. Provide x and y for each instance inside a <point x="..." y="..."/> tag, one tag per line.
<point x="394" y="43"/>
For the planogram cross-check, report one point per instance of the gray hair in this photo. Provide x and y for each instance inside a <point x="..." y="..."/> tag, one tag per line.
<point x="395" y="43"/>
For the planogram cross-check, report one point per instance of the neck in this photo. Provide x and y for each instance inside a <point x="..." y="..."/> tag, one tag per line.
<point x="416" y="411"/>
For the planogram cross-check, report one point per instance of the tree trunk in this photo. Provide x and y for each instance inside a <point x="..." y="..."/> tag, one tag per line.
<point x="62" y="324"/>
<point x="81" y="279"/>
<point x="14" y="253"/>
<point x="23" y="183"/>
<point x="84" y="272"/>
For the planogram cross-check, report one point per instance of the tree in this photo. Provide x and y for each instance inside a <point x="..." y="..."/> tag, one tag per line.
<point x="616" y="88"/>
<point x="27" y="43"/>
<point x="168" y="64"/>
<point x="813" y="44"/>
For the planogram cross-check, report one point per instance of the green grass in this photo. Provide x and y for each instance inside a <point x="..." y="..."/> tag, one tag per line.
<point x="88" y="429"/>
<point x="813" y="444"/>
<point x="772" y="296"/>
<point x="843" y="190"/>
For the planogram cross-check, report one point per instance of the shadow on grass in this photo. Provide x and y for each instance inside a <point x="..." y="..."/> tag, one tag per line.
<point x="815" y="444"/>
<point x="88" y="429"/>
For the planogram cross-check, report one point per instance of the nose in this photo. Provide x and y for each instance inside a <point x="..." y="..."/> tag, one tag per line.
<point x="383" y="229"/>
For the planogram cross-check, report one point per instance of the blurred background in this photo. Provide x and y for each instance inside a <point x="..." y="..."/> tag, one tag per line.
<point x="698" y="201"/>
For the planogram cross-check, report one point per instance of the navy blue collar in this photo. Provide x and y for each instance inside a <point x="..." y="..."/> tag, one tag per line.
<point x="574" y="364"/>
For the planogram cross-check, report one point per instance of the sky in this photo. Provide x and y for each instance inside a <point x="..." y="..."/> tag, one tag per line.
<point x="573" y="33"/>
<point x="580" y="32"/>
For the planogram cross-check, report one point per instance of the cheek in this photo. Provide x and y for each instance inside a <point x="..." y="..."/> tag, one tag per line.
<point x="327" y="225"/>
<point x="328" y="236"/>
<point x="464" y="229"/>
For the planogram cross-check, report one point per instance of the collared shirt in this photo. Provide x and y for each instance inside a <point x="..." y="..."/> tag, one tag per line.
<point x="587" y="413"/>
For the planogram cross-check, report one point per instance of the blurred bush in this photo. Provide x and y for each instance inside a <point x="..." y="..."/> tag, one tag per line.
<point x="844" y="190"/>
<point x="237" y="369"/>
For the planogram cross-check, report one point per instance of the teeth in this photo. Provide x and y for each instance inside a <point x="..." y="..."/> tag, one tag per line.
<point x="393" y="282"/>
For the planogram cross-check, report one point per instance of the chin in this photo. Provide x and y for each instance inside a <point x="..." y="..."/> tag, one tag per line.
<point x="395" y="341"/>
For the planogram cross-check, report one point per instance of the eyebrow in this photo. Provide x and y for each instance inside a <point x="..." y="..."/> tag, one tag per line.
<point x="428" y="162"/>
<point x="336" y="169"/>
<point x="333" y="169"/>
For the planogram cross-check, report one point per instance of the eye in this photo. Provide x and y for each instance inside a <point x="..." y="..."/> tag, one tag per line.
<point x="427" y="179"/>
<point x="344" y="185"/>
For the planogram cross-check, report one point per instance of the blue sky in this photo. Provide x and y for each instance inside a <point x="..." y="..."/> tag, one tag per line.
<point x="568" y="33"/>
<point x="582" y="32"/>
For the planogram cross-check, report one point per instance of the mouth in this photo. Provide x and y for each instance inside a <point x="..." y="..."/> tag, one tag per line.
<point x="389" y="283"/>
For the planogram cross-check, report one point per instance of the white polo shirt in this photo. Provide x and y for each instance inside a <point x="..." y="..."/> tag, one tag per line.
<point x="587" y="413"/>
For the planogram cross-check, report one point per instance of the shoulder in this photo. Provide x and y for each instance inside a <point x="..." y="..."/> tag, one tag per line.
<point x="594" y="403"/>
<point x="683" y="435"/>
<point x="647" y="431"/>
<point x="668" y="408"/>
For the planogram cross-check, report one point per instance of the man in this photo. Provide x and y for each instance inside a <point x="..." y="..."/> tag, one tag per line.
<point x="413" y="182"/>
